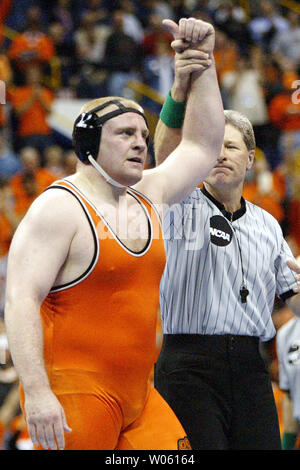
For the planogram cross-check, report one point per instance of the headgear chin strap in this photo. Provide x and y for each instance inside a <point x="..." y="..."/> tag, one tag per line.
<point x="87" y="134"/>
<point x="104" y="174"/>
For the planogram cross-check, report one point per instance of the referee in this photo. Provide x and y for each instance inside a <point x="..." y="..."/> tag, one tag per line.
<point x="226" y="260"/>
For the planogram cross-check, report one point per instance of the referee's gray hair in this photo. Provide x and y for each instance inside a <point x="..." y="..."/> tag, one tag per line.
<point x="242" y="124"/>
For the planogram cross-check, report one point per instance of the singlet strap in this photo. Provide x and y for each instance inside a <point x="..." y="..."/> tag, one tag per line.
<point x="142" y="201"/>
<point x="61" y="185"/>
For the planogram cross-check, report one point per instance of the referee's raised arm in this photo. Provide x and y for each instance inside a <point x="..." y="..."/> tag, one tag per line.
<point x="201" y="146"/>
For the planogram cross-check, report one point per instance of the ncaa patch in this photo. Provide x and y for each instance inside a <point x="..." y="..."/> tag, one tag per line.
<point x="184" y="444"/>
<point x="220" y="231"/>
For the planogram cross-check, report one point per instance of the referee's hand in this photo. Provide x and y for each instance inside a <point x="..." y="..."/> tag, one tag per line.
<point x="295" y="266"/>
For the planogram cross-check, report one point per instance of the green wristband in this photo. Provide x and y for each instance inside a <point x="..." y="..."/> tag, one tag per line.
<point x="288" y="440"/>
<point x="172" y="113"/>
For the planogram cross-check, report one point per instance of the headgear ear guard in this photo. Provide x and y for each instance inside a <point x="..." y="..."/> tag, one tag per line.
<point x="88" y="126"/>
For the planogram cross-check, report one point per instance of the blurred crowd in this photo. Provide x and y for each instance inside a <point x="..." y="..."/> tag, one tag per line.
<point x="74" y="49"/>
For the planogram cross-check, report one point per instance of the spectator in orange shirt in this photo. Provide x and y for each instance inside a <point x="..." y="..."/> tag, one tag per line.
<point x="8" y="222"/>
<point x="6" y="77"/>
<point x="6" y="231"/>
<point x="54" y="161"/>
<point x="32" y="104"/>
<point x="267" y="188"/>
<point x="154" y="33"/>
<point x="226" y="55"/>
<point x="69" y="162"/>
<point x="294" y="203"/>
<point x="284" y="112"/>
<point x="30" y="182"/>
<point x="294" y="221"/>
<point x="5" y="6"/>
<point x="32" y="46"/>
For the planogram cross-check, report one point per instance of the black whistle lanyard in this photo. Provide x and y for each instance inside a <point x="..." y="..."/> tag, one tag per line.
<point x="244" y="292"/>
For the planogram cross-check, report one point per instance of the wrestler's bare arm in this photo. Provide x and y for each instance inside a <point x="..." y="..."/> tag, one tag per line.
<point x="201" y="142"/>
<point x="38" y="250"/>
<point x="166" y="139"/>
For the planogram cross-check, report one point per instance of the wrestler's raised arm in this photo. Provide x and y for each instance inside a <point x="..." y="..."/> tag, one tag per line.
<point x="187" y="61"/>
<point x="203" y="128"/>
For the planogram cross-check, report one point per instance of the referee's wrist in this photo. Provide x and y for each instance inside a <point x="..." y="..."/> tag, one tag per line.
<point x="172" y="113"/>
<point x="178" y="92"/>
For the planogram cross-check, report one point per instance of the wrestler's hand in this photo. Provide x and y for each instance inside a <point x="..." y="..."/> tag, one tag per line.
<point x="193" y="41"/>
<point x="46" y="420"/>
<point x="192" y="33"/>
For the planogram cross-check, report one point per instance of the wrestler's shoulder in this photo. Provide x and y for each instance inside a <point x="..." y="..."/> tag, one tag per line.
<point x="54" y="206"/>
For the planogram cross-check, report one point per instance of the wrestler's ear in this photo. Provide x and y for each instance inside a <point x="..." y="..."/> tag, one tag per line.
<point x="250" y="160"/>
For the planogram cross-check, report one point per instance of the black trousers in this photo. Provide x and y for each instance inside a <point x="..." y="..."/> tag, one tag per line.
<point x="219" y="388"/>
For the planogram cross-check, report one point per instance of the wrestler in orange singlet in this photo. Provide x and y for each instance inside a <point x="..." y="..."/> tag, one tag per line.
<point x="82" y="293"/>
<point x="99" y="342"/>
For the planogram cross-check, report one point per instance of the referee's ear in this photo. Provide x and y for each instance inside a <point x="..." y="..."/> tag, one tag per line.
<point x="250" y="161"/>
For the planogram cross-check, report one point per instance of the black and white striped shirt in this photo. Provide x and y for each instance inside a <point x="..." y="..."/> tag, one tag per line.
<point x="210" y="255"/>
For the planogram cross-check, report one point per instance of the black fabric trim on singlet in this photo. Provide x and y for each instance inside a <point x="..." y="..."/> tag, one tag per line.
<point x="75" y="281"/>
<point x="151" y="204"/>
<point x="150" y="233"/>
<point x="132" y="194"/>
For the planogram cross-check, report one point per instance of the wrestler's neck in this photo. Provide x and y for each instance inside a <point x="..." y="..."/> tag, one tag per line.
<point x="230" y="197"/>
<point x="94" y="186"/>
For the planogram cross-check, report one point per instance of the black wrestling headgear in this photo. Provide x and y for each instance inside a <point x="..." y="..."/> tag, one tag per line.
<point x="88" y="126"/>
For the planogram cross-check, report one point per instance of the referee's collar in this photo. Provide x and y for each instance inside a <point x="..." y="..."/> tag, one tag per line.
<point x="229" y="215"/>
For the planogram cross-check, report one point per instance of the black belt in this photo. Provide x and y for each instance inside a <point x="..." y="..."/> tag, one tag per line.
<point x="215" y="345"/>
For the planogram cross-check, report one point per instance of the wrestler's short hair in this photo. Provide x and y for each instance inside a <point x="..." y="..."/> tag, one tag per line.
<point x="242" y="124"/>
<point x="87" y="107"/>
